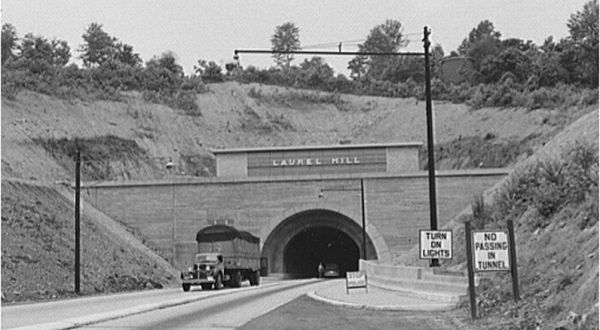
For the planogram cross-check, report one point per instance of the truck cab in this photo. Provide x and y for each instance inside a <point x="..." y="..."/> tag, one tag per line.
<point x="208" y="271"/>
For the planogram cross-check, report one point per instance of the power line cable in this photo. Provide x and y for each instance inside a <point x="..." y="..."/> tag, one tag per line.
<point x="355" y="42"/>
<point x="333" y="43"/>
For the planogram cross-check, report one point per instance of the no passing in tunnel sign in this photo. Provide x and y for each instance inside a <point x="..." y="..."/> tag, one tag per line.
<point x="491" y="251"/>
<point x="435" y="244"/>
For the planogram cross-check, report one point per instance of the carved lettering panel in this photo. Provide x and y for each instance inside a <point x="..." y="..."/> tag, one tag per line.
<point x="359" y="160"/>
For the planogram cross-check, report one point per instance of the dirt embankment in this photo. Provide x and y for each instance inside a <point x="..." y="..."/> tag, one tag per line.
<point x="38" y="250"/>
<point x="39" y="133"/>
<point x="236" y="115"/>
<point x="556" y="235"/>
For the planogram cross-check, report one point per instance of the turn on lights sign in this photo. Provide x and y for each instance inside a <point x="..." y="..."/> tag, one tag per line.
<point x="435" y="244"/>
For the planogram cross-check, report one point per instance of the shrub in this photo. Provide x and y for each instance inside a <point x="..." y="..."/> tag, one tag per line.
<point x="255" y="93"/>
<point x="438" y="88"/>
<point x="481" y="212"/>
<point x="459" y="93"/>
<point x="580" y="171"/>
<point x="511" y="199"/>
<point x="588" y="97"/>
<point x="195" y="84"/>
<point x="478" y="98"/>
<point x="551" y="184"/>
<point x="547" y="198"/>
<point x="183" y="99"/>
<point x="509" y="91"/>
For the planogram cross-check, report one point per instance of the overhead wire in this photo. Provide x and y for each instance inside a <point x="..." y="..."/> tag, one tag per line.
<point x="356" y="42"/>
<point x="412" y="34"/>
<point x="344" y="43"/>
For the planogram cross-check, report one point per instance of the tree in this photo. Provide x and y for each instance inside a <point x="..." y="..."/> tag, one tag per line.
<point x="285" y="39"/>
<point x="406" y="67"/>
<point x="386" y="37"/>
<point x="98" y="46"/>
<point x="168" y="62"/>
<point x="583" y="25"/>
<point x="583" y="30"/>
<point x="511" y="60"/>
<point x="437" y="55"/>
<point x="315" y="73"/>
<point x="549" y="70"/>
<point x="61" y="52"/>
<point x="9" y="41"/>
<point x="357" y="67"/>
<point x="163" y="73"/>
<point x="482" y="42"/>
<point x="519" y="44"/>
<point x="39" y="55"/>
<point x="124" y="54"/>
<point x="549" y="45"/>
<point x="483" y="31"/>
<point x="209" y="71"/>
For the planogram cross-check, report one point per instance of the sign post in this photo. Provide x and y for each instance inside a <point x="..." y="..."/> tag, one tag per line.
<point x="513" y="259"/>
<point x="490" y="251"/>
<point x="435" y="244"/>
<point x="356" y="280"/>
<point x="468" y="241"/>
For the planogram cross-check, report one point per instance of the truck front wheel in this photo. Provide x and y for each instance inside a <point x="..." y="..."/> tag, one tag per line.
<point x="219" y="282"/>
<point x="186" y="287"/>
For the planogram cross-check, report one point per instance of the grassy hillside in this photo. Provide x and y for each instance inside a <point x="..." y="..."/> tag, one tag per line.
<point x="132" y="140"/>
<point x="38" y="244"/>
<point x="34" y="126"/>
<point x="552" y="197"/>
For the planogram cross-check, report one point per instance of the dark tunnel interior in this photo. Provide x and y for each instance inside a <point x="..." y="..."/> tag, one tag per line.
<point x="313" y="245"/>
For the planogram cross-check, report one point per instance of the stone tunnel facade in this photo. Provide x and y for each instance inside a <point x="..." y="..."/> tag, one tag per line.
<point x="307" y="204"/>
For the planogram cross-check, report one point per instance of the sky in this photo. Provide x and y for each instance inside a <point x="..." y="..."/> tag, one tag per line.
<point x="210" y="30"/>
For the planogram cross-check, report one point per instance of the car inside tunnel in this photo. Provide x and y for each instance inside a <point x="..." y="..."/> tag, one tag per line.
<point x="319" y="244"/>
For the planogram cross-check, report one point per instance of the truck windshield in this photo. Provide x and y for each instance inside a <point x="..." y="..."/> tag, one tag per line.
<point x="206" y="258"/>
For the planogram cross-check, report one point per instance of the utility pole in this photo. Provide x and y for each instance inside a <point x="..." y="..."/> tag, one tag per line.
<point x="77" y="227"/>
<point x="362" y="210"/>
<point x="430" y="157"/>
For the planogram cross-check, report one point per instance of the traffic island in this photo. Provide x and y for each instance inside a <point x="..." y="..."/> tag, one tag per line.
<point x="376" y="299"/>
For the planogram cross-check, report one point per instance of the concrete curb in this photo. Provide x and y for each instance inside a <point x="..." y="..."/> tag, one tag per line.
<point x="437" y="306"/>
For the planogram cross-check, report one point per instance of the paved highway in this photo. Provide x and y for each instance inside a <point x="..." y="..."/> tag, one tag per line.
<point x="226" y="311"/>
<point x="169" y="309"/>
<point x="22" y="315"/>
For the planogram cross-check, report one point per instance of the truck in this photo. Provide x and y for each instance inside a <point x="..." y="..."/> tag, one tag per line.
<point x="226" y="257"/>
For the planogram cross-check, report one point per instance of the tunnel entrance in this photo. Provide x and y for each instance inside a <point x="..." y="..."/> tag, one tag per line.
<point x="298" y="243"/>
<point x="318" y="244"/>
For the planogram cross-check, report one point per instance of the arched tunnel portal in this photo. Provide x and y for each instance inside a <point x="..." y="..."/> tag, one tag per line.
<point x="299" y="243"/>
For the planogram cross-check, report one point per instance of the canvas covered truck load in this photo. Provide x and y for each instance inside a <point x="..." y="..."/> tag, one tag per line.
<point x="226" y="257"/>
